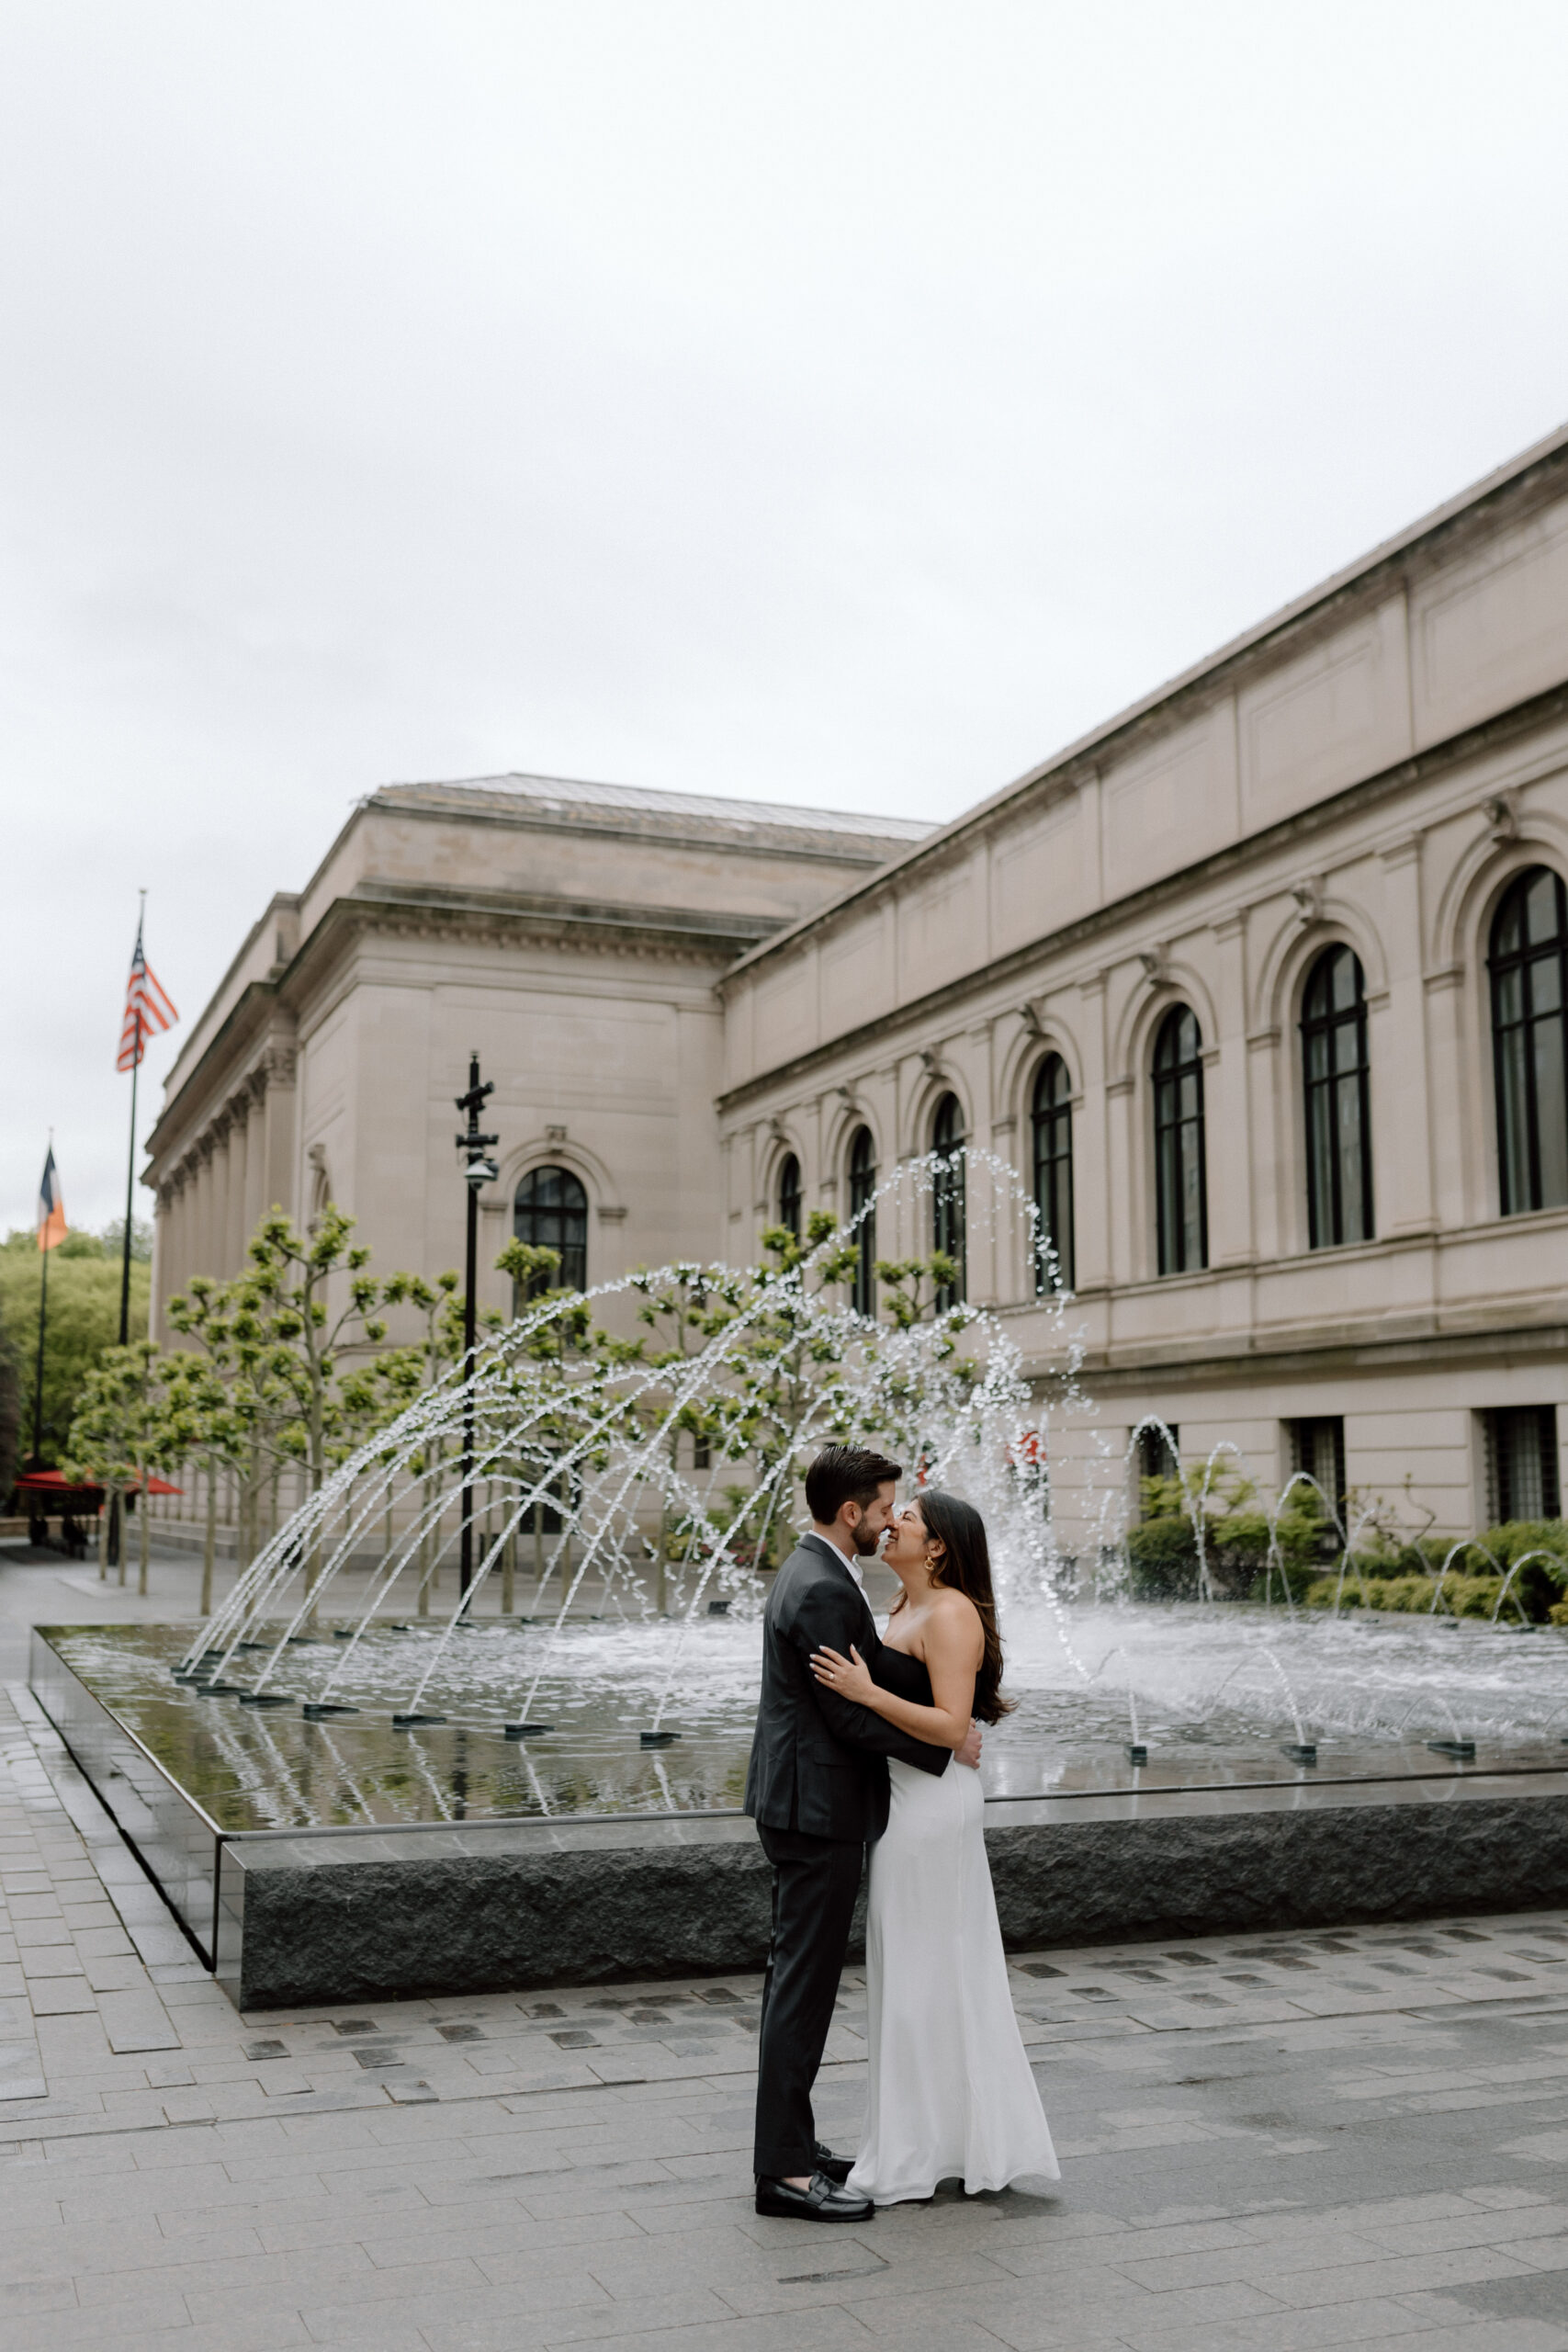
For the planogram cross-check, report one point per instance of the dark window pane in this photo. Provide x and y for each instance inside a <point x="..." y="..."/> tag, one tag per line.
<point x="1334" y="1065"/>
<point x="1540" y="906"/>
<point x="1053" y="1146"/>
<point x="551" y="1212"/>
<point x="1521" y="1463"/>
<point x="1550" y="1114"/>
<point x="1181" y="1206"/>
<point x="949" y="1219"/>
<point x="1530" y="1042"/>
<point x="1545" y="979"/>
<point x="1513" y="1122"/>
<point x="1317" y="1448"/>
<point x="862" y="1186"/>
<point x="789" y="1195"/>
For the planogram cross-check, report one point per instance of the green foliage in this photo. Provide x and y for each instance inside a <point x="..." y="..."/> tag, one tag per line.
<point x="1243" y="1556"/>
<point x="121" y="1435"/>
<point x="113" y="1239"/>
<point x="10" y="1415"/>
<point x="83" y="1321"/>
<point x="1405" y="1578"/>
<point x="265" y="1386"/>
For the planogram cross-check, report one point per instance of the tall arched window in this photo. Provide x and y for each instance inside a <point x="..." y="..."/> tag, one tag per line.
<point x="1051" y="1125"/>
<point x="1529" y="1044"/>
<point x="789" y="1193"/>
<point x="863" y="1188"/>
<point x="1335" y="1069"/>
<point x="551" y="1212"/>
<point x="1180" y="1185"/>
<point x="949" y="1222"/>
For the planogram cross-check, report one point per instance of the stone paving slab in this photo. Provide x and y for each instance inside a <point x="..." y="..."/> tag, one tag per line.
<point x="1271" y="2143"/>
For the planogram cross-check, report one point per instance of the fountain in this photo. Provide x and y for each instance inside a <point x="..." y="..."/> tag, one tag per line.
<point x="341" y="1793"/>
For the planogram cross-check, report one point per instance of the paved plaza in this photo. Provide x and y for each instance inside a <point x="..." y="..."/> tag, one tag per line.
<point x="1267" y="2144"/>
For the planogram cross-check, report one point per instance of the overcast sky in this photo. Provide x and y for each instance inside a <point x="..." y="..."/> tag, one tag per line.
<point x="843" y="403"/>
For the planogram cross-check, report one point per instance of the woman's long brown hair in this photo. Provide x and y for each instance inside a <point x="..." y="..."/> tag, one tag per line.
<point x="966" y="1566"/>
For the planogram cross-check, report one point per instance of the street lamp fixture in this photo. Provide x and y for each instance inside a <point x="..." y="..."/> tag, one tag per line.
<point x="479" y="1170"/>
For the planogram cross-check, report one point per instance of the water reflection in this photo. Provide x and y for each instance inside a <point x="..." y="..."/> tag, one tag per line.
<point x="1212" y="1696"/>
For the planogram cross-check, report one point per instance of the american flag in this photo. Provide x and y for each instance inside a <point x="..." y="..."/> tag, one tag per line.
<point x="147" y="1009"/>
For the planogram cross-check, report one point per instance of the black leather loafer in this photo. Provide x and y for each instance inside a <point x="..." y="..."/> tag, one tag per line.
<point x="836" y="2168"/>
<point x="823" y="2201"/>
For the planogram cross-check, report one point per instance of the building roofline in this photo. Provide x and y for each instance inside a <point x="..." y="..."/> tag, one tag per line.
<point x="1548" y="453"/>
<point x="1232" y="858"/>
<point x="577" y="801"/>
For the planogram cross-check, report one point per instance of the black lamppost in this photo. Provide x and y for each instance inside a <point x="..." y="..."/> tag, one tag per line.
<point x="480" y="1170"/>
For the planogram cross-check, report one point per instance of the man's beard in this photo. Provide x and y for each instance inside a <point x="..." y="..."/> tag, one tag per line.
<point x="865" y="1544"/>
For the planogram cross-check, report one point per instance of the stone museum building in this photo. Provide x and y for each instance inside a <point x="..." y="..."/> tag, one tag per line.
<point x="1262" y="986"/>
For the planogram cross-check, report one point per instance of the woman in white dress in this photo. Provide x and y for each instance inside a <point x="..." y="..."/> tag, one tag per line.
<point x="951" y="2092"/>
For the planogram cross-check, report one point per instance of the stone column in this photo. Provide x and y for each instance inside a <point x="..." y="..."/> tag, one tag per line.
<point x="280" y="1153"/>
<point x="222" y="1169"/>
<point x="201" y="1222"/>
<point x="1403" y="1173"/>
<point x="256" y="1152"/>
<point x="177" y="1265"/>
<point x="1228" y="1120"/>
<point x="1270" y="1132"/>
<point x="1092" y="1144"/>
<point x="1014" y="1278"/>
<point x="1131" y="1253"/>
<point x="163" y="1201"/>
<point x="1465" y="1184"/>
<point x="238" y="1231"/>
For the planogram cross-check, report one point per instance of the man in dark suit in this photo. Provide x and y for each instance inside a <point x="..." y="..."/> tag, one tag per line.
<point x="817" y="1791"/>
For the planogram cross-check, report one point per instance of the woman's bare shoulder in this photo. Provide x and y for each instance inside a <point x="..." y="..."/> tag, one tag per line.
<point x="954" y="1613"/>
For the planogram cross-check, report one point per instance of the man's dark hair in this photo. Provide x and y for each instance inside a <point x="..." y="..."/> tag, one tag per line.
<point x="846" y="1473"/>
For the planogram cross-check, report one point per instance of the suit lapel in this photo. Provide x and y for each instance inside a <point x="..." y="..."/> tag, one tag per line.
<point x="835" y="1558"/>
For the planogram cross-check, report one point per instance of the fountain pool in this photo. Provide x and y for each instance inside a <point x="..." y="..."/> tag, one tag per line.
<point x="342" y="1792"/>
<point x="344" y="1858"/>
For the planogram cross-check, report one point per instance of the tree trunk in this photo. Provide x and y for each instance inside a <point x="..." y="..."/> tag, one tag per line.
<point x="143" y="1536"/>
<point x="211" y="1545"/>
<point x="104" y="1539"/>
<point x="426" y="1541"/>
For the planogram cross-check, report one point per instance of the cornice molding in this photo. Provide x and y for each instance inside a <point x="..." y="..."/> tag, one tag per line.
<point x="1236" y="859"/>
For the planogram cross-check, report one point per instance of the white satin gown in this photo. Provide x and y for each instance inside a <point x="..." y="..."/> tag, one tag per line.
<point x="952" y="2093"/>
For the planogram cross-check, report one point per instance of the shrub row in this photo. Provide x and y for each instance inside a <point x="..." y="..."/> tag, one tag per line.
<point x="1162" y="1560"/>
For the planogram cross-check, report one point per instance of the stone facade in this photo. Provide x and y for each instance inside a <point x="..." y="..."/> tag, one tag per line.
<point x="1369" y="769"/>
<point x="574" y="934"/>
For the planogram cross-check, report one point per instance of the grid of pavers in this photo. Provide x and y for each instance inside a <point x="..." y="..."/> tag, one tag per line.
<point x="1268" y="2143"/>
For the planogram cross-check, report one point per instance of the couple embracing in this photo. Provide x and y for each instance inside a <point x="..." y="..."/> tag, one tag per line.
<point x="866" y="1741"/>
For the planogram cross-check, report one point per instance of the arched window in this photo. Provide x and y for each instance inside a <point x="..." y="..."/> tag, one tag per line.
<point x="551" y="1212"/>
<point x="949" y="1224"/>
<point x="1052" y="1125"/>
<point x="789" y="1195"/>
<point x="863" y="1188"/>
<point x="1335" y="1069"/>
<point x="1530" y="1045"/>
<point x="1180" y="1186"/>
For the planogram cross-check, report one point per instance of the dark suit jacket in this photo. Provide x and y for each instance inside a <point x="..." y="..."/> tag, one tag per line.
<point x="818" y="1761"/>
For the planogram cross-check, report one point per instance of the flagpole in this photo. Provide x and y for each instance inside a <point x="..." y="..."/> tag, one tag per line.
<point x="130" y="1189"/>
<point x="130" y="1164"/>
<point x="42" y="1319"/>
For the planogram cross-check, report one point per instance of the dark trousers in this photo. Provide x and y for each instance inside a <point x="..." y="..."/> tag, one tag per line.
<point x="816" y="1880"/>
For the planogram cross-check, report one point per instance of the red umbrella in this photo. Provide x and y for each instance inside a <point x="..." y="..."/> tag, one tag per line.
<point x="51" y="1487"/>
<point x="52" y="1484"/>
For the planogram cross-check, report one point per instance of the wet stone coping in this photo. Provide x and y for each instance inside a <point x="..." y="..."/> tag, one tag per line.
<point x="514" y="1905"/>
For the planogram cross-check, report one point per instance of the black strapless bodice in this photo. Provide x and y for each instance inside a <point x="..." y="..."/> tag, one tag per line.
<point x="895" y="1670"/>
